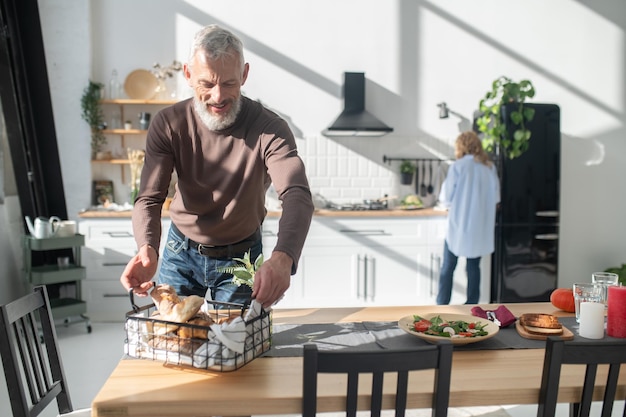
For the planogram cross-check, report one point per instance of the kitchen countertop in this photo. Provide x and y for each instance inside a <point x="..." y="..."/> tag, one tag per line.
<point x="426" y="212"/>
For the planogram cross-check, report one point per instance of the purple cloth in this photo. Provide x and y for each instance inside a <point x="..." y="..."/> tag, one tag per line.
<point x="502" y="313"/>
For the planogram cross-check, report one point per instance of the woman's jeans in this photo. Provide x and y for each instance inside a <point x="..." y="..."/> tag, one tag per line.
<point x="191" y="273"/>
<point x="447" y="272"/>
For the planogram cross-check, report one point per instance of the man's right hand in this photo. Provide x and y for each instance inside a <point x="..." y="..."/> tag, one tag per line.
<point x="140" y="270"/>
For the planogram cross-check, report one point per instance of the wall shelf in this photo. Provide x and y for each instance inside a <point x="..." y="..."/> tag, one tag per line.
<point x="124" y="101"/>
<point x="124" y="132"/>
<point x="127" y="136"/>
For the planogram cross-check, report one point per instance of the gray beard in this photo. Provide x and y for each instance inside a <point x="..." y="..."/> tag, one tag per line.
<point x="213" y="122"/>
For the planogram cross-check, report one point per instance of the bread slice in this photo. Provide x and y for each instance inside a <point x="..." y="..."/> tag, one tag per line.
<point x="540" y="323"/>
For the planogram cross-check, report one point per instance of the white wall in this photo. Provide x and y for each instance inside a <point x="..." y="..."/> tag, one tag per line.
<point x="415" y="54"/>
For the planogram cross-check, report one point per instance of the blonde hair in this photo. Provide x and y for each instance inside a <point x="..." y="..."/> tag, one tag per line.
<point x="468" y="143"/>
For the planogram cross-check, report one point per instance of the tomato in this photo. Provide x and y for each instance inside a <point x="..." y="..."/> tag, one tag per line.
<point x="563" y="299"/>
<point x="472" y="325"/>
<point x="466" y="334"/>
<point x="422" y="325"/>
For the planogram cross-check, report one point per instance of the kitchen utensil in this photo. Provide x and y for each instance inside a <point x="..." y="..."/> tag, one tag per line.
<point x="423" y="188"/>
<point x="141" y="84"/>
<point x="430" y="178"/>
<point x="417" y="178"/>
<point x="43" y="227"/>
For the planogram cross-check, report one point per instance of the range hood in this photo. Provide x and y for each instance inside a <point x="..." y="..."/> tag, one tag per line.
<point x="354" y="120"/>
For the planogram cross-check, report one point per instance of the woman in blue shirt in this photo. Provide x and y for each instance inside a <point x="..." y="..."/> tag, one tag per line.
<point x="470" y="192"/>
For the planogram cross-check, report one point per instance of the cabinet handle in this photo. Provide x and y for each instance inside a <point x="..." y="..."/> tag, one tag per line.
<point x="370" y="277"/>
<point x="366" y="277"/>
<point x="435" y="269"/>
<point x="119" y="234"/>
<point x="376" y="232"/>
<point x="115" y="295"/>
<point x="430" y="274"/>
<point x="359" y="292"/>
<point x="547" y="236"/>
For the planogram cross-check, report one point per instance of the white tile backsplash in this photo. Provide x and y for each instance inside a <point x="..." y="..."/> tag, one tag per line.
<point x="342" y="170"/>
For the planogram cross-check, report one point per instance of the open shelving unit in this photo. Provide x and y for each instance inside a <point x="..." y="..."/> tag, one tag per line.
<point x="123" y="111"/>
<point x="68" y="309"/>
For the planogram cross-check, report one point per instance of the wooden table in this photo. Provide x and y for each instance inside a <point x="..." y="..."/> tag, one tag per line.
<point x="144" y="388"/>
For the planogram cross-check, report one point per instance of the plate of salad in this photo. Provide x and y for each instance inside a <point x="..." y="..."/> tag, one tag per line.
<point x="460" y="329"/>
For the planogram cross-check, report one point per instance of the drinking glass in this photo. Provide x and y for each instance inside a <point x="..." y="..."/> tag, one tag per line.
<point x="586" y="292"/>
<point x="605" y="279"/>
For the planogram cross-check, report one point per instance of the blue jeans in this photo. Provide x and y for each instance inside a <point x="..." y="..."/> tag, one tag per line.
<point x="447" y="272"/>
<point x="191" y="273"/>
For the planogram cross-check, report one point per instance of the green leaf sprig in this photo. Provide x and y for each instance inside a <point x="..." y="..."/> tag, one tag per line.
<point x="243" y="273"/>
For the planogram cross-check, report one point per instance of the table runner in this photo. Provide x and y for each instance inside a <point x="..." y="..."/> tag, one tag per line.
<point x="287" y="339"/>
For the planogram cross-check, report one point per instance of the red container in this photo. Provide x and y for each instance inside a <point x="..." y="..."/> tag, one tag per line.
<point x="616" y="314"/>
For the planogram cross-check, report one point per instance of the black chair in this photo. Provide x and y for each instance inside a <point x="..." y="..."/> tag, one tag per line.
<point x="589" y="353"/>
<point x="377" y="363"/>
<point x="31" y="359"/>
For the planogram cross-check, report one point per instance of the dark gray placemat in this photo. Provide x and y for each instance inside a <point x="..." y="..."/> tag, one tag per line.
<point x="287" y="339"/>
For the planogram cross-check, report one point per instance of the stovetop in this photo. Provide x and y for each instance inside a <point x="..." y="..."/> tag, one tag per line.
<point x="365" y="205"/>
<point x="372" y="205"/>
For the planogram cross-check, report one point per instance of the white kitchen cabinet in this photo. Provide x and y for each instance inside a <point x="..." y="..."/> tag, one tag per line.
<point x="352" y="261"/>
<point x="357" y="261"/>
<point x="109" y="245"/>
<point x="346" y="261"/>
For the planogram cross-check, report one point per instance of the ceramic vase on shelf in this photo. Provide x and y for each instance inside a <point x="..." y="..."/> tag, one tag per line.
<point x="144" y="120"/>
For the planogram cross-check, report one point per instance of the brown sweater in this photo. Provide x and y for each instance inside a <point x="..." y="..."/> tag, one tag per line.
<point x="222" y="178"/>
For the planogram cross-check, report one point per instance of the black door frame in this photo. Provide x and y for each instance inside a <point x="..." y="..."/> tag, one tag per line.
<point x="28" y="115"/>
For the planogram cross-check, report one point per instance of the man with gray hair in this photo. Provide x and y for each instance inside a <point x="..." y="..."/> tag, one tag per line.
<point x="226" y="149"/>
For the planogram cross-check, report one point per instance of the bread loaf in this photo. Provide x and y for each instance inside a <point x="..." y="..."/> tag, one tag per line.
<point x="190" y="332"/>
<point x="159" y="328"/>
<point x="173" y="308"/>
<point x="540" y="323"/>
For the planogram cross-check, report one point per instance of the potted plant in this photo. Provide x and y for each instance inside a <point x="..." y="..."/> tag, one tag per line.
<point x="407" y="169"/>
<point x="505" y="91"/>
<point x="92" y="114"/>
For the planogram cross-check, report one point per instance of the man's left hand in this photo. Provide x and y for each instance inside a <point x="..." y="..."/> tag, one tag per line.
<point x="272" y="279"/>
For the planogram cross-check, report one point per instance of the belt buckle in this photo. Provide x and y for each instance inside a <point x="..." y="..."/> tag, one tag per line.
<point x="202" y="247"/>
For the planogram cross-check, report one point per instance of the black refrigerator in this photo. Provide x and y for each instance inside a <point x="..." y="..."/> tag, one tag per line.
<point x="524" y="266"/>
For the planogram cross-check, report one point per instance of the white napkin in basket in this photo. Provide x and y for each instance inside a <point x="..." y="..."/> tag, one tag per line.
<point x="233" y="334"/>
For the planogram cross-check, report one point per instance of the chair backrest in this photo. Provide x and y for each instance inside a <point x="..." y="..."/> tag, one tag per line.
<point x="589" y="353"/>
<point x="30" y="356"/>
<point x="378" y="363"/>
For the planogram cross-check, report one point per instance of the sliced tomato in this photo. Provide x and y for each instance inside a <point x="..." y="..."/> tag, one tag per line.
<point x="466" y="334"/>
<point x="422" y="325"/>
<point x="472" y="325"/>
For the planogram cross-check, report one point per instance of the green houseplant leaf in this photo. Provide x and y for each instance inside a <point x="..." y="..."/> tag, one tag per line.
<point x="92" y="114"/>
<point x="491" y="124"/>
<point x="243" y="273"/>
<point x="407" y="167"/>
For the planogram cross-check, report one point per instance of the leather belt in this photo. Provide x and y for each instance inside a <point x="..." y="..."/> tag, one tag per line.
<point x="226" y="251"/>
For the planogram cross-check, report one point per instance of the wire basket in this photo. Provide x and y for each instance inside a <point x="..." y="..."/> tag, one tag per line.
<point x="238" y="334"/>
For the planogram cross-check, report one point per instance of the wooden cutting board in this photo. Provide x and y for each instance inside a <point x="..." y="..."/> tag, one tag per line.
<point x="567" y="333"/>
